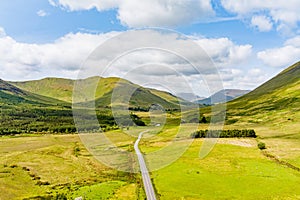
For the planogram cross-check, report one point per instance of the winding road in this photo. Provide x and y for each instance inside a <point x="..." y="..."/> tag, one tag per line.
<point x="145" y="174"/>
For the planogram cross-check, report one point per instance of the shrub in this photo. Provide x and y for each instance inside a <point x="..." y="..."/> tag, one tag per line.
<point x="203" y="120"/>
<point x="261" y="145"/>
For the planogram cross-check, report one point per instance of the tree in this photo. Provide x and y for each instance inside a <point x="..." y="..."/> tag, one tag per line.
<point x="203" y="120"/>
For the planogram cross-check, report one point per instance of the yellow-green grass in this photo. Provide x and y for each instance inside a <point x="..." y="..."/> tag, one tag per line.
<point x="54" y="164"/>
<point x="282" y="141"/>
<point x="228" y="172"/>
<point x="235" y="169"/>
<point x="62" y="89"/>
<point x="99" y="191"/>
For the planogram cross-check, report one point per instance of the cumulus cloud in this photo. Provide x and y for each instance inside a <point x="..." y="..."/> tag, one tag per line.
<point x="224" y="52"/>
<point x="284" y="56"/>
<point x="64" y="57"/>
<point x="295" y="41"/>
<point x="136" y="13"/>
<point x="61" y="58"/>
<point x="262" y="23"/>
<point x="74" y="5"/>
<point x="285" y="14"/>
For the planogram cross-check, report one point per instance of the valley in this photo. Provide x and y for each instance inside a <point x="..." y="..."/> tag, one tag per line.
<point x="41" y="150"/>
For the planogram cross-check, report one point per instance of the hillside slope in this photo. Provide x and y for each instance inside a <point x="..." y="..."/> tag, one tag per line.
<point x="9" y="93"/>
<point x="45" y="105"/>
<point x="23" y="112"/>
<point x="276" y="101"/>
<point x="50" y="87"/>
<point x="62" y="89"/>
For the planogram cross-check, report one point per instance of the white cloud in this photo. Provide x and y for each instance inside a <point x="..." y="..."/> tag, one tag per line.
<point x="137" y="13"/>
<point x="63" y="58"/>
<point x="42" y="13"/>
<point x="293" y="41"/>
<point x="255" y="72"/>
<point x="284" y="56"/>
<point x="75" y="5"/>
<point x="263" y="23"/>
<point x="284" y="13"/>
<point x="224" y="52"/>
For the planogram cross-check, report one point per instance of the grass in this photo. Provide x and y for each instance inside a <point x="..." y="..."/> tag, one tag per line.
<point x="235" y="169"/>
<point x="98" y="191"/>
<point x="47" y="165"/>
<point x="228" y="172"/>
<point x="62" y="89"/>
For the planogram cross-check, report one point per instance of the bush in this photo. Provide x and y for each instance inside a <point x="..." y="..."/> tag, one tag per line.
<point x="261" y="145"/>
<point x="203" y="120"/>
<point x="224" y="133"/>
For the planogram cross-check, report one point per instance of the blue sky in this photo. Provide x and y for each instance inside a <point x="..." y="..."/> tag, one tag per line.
<point x="248" y="39"/>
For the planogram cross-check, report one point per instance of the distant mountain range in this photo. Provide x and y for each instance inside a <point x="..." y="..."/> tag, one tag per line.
<point x="190" y="97"/>
<point x="223" y="96"/>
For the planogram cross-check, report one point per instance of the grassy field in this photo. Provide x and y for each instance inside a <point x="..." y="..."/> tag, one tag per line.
<point x="235" y="169"/>
<point x="229" y="172"/>
<point x="57" y="166"/>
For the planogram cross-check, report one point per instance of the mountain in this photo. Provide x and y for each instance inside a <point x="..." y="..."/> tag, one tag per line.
<point x="62" y="89"/>
<point x="46" y="105"/>
<point x="6" y="87"/>
<point x="12" y="94"/>
<point x="277" y="101"/>
<point x="24" y="112"/>
<point x="223" y="96"/>
<point x="50" y="87"/>
<point x="189" y="96"/>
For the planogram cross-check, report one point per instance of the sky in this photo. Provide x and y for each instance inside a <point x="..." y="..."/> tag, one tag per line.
<point x="248" y="41"/>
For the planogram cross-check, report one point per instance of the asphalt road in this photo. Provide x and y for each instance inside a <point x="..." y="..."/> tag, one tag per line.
<point x="143" y="167"/>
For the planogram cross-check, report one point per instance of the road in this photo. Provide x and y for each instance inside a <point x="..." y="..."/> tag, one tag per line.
<point x="145" y="174"/>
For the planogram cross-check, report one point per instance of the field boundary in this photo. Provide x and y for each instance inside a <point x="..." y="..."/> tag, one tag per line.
<point x="281" y="162"/>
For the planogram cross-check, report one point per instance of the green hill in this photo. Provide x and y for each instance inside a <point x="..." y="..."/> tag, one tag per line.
<point x="50" y="87"/>
<point x="11" y="94"/>
<point x="45" y="105"/>
<point x="62" y="89"/>
<point x="23" y="112"/>
<point x="276" y="101"/>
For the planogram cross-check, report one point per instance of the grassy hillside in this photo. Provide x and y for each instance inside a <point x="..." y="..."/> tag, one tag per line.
<point x="50" y="87"/>
<point x="45" y="105"/>
<point x="23" y="112"/>
<point x="273" y="110"/>
<point x="276" y="101"/>
<point x="62" y="89"/>
<point x="11" y="93"/>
